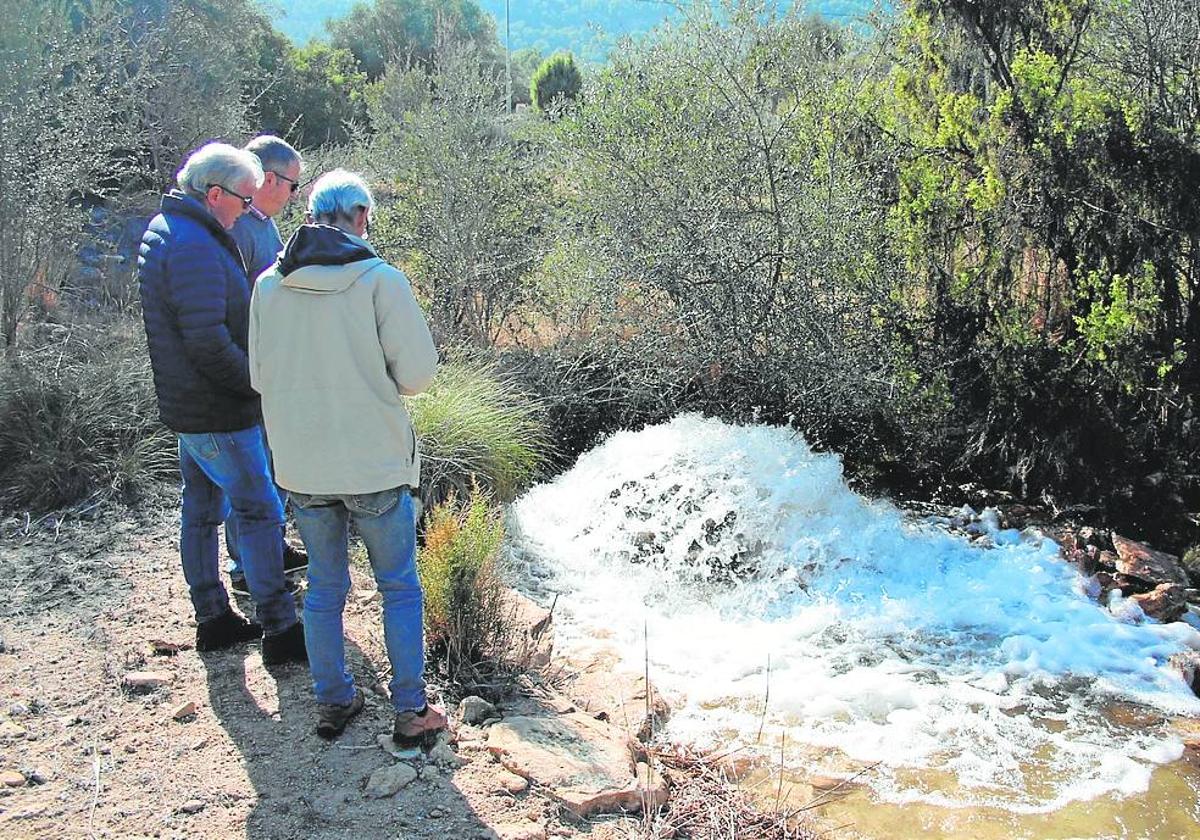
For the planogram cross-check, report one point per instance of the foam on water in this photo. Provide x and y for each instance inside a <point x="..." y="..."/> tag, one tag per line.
<point x="987" y="669"/>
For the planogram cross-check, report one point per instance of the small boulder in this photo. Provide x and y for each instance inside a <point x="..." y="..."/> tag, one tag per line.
<point x="511" y="782"/>
<point x="184" y="711"/>
<point x="1141" y="561"/>
<point x="475" y="710"/>
<point x="146" y="680"/>
<point x="192" y="806"/>
<point x="12" y="778"/>
<point x="385" y="781"/>
<point x="443" y="756"/>
<point x="1164" y="603"/>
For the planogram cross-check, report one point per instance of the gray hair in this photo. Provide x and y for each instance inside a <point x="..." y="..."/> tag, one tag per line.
<point x="217" y="163"/>
<point x="337" y="195"/>
<point x="273" y="152"/>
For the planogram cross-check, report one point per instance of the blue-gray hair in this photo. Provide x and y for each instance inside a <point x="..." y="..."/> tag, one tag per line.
<point x="217" y="163"/>
<point x="337" y="195"/>
<point x="273" y="152"/>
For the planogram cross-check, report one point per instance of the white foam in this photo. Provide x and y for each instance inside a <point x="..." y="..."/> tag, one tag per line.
<point x="888" y="640"/>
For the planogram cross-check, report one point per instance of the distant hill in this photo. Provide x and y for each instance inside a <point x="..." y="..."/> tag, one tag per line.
<point x="586" y="27"/>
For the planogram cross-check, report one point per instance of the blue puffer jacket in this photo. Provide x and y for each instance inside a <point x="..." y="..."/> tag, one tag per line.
<point x="195" y="304"/>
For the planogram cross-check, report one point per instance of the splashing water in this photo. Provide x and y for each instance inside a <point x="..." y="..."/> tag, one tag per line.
<point x="986" y="669"/>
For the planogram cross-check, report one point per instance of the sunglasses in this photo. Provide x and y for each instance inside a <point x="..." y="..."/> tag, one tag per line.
<point x="293" y="184"/>
<point x="246" y="199"/>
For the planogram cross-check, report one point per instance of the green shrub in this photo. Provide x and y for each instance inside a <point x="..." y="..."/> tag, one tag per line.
<point x="475" y="425"/>
<point x="78" y="417"/>
<point x="465" y="613"/>
<point x="558" y="78"/>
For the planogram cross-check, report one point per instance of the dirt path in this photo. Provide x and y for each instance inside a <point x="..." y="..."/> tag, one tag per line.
<point x="86" y="599"/>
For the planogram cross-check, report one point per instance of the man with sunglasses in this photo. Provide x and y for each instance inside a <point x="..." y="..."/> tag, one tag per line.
<point x="258" y="239"/>
<point x="195" y="307"/>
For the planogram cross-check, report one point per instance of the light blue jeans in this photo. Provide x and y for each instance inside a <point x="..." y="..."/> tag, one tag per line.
<point x="221" y="470"/>
<point x="386" y="522"/>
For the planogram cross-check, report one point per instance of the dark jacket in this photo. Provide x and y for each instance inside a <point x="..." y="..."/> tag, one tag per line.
<point x="195" y="305"/>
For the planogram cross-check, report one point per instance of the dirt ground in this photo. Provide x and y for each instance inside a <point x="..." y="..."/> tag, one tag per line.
<point x="89" y="596"/>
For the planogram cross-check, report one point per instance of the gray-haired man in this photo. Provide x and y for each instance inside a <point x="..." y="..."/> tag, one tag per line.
<point x="258" y="239"/>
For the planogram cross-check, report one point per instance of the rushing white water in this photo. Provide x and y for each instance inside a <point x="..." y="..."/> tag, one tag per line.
<point x="974" y="674"/>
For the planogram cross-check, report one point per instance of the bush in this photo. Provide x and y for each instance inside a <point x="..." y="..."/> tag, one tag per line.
<point x="476" y="426"/>
<point x="78" y="417"/>
<point x="465" y="614"/>
<point x="556" y="79"/>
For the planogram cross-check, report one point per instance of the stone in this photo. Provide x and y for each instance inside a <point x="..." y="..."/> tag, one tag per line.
<point x="384" y="739"/>
<point x="737" y="766"/>
<point x="146" y="680"/>
<point x="1191" y="565"/>
<point x="511" y="782"/>
<point x="18" y="710"/>
<point x="1187" y="665"/>
<point x="330" y="805"/>
<point x="534" y="643"/>
<point x="184" y="711"/>
<point x="12" y="778"/>
<point x="520" y="831"/>
<point x="10" y="731"/>
<point x="826" y="784"/>
<point x="192" y="806"/>
<point x="585" y="765"/>
<point x="473" y="710"/>
<point x="602" y="689"/>
<point x="444" y="756"/>
<point x="1164" y="603"/>
<point x="1141" y="561"/>
<point x="385" y="781"/>
<point x="436" y="813"/>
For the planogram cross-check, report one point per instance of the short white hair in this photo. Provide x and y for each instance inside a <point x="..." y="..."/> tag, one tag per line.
<point x="220" y="164"/>
<point x="338" y="195"/>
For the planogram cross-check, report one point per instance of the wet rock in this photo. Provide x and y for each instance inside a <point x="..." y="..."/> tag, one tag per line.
<point x="1187" y="665"/>
<point x="146" y="680"/>
<point x="585" y="765"/>
<point x="473" y="710"/>
<point x="192" y="806"/>
<point x="534" y="643"/>
<point x="1165" y="603"/>
<point x="12" y="778"/>
<point x="737" y="766"/>
<point x="385" y="781"/>
<point x="1140" y="561"/>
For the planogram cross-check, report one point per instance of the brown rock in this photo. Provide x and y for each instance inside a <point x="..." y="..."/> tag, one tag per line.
<point x="12" y="778"/>
<point x="1106" y="560"/>
<point x="830" y="783"/>
<point x="583" y="763"/>
<point x="184" y="711"/>
<point x="146" y="680"/>
<point x="511" y="782"/>
<point x="521" y="831"/>
<point x="737" y="766"/>
<point x="1187" y="664"/>
<point x="1164" y="603"/>
<point x="1141" y="561"/>
<point x="620" y="697"/>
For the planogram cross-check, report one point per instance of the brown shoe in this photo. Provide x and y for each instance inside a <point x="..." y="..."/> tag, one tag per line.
<point x="419" y="728"/>
<point x="332" y="718"/>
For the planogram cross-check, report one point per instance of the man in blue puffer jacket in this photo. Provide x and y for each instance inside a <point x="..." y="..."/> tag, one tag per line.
<point x="195" y="304"/>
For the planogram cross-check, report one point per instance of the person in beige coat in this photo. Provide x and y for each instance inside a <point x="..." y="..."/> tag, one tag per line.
<point x="336" y="341"/>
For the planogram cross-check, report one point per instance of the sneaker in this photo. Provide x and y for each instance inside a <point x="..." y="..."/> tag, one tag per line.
<point x="294" y="559"/>
<point x="288" y="646"/>
<point x="332" y="718"/>
<point x="419" y="728"/>
<point x="225" y="631"/>
<point x="238" y="585"/>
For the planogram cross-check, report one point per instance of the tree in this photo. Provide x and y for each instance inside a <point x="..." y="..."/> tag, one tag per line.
<point x="555" y="81"/>
<point x="407" y="32"/>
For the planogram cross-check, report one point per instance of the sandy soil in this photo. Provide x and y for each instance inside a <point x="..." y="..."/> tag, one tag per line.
<point x="89" y="597"/>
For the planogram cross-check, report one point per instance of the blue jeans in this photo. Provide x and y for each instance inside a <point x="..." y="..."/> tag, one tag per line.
<point x="387" y="525"/>
<point x="222" y="470"/>
<point x="231" y="538"/>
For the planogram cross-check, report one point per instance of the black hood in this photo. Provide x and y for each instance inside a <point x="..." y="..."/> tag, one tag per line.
<point x="322" y="245"/>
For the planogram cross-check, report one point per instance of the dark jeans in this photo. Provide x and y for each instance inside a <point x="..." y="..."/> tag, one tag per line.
<point x="222" y="470"/>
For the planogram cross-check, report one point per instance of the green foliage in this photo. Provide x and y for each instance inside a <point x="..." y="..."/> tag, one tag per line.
<point x="557" y="80"/>
<point x="78" y="417"/>
<point x="408" y="33"/>
<point x="466" y="621"/>
<point x="476" y="426"/>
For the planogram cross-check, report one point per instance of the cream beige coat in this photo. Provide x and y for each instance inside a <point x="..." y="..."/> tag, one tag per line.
<point x="333" y="348"/>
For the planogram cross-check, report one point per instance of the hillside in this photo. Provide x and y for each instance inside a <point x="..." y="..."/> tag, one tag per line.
<point x="586" y="27"/>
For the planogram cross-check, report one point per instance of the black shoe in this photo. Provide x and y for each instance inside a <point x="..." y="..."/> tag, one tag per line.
<point x="238" y="585"/>
<point x="294" y="559"/>
<point x="225" y="631"/>
<point x="332" y="718"/>
<point x="285" y="647"/>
